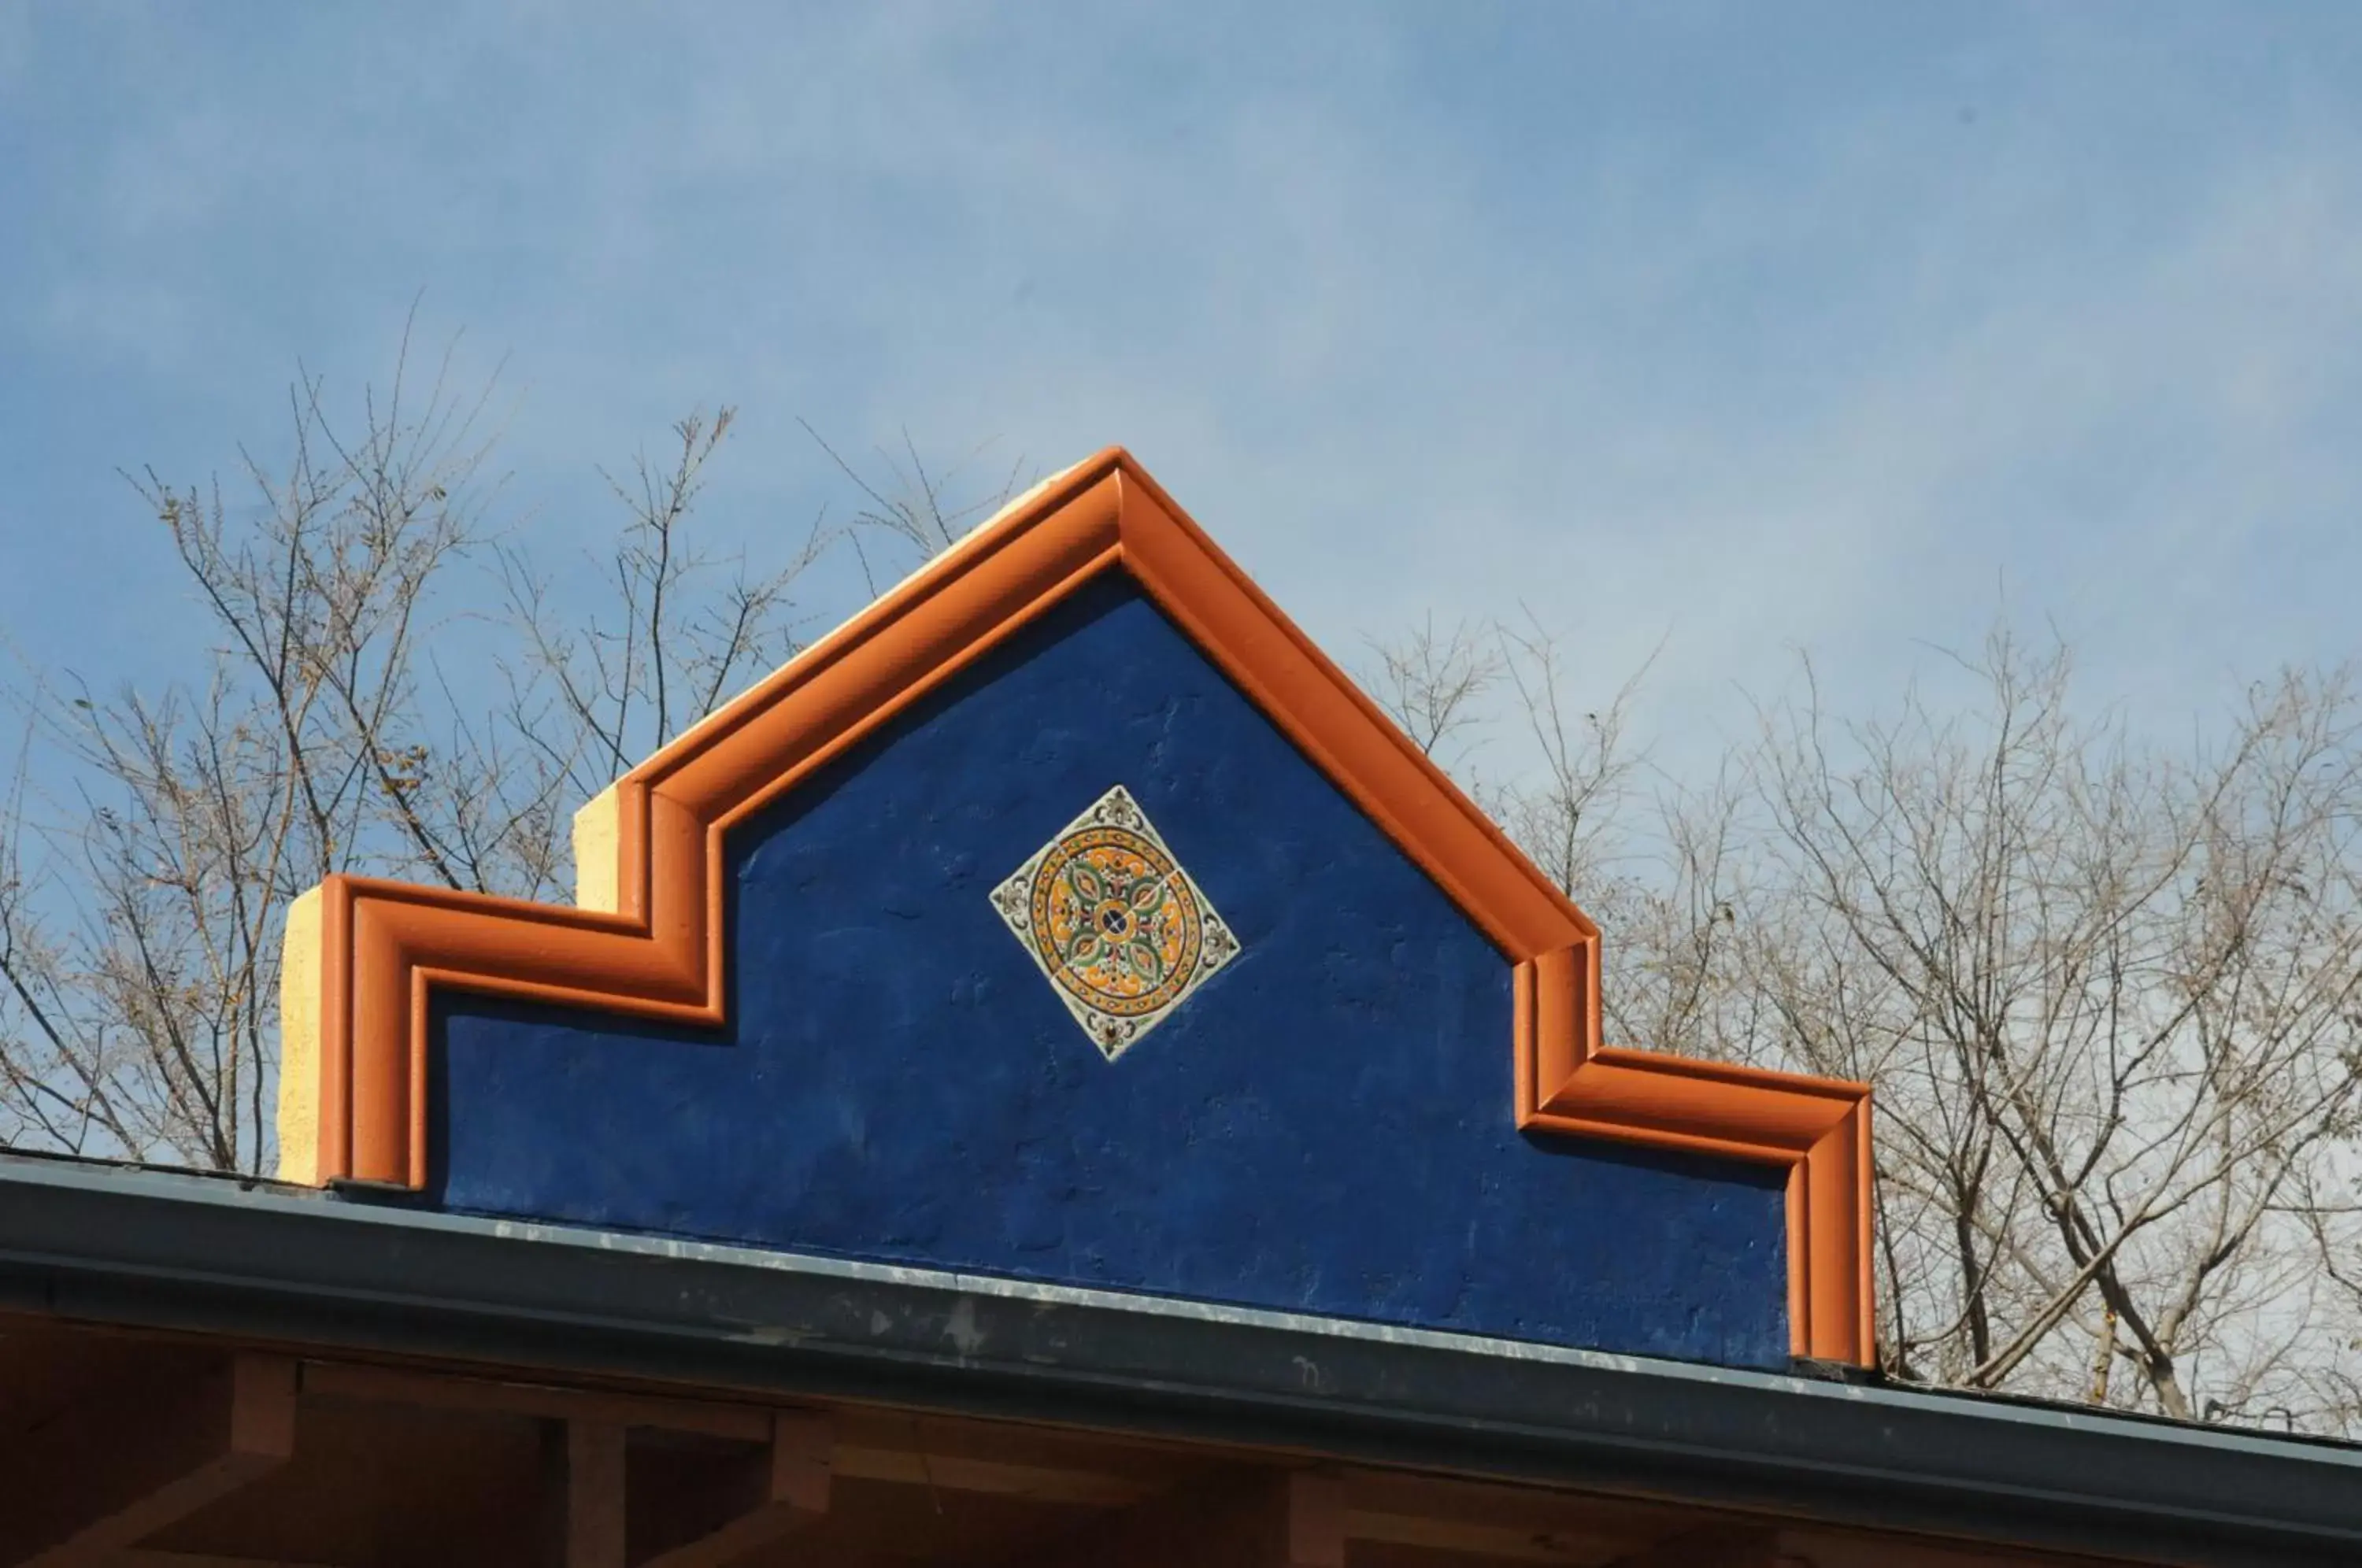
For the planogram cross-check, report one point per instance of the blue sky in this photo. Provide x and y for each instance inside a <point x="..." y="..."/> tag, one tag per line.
<point x="1740" y="328"/>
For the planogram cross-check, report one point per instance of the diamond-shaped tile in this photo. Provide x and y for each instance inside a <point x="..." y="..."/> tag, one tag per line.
<point x="1122" y="934"/>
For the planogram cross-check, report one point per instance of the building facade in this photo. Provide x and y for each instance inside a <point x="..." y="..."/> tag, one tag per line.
<point x="1051" y="1076"/>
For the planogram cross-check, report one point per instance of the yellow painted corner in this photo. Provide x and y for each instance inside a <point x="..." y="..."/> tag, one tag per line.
<point x="597" y="854"/>
<point x="299" y="1043"/>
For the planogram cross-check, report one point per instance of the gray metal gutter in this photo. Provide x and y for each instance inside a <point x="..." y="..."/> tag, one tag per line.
<point x="111" y="1244"/>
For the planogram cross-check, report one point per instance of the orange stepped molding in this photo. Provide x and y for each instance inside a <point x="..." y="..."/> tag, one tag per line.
<point x="646" y="937"/>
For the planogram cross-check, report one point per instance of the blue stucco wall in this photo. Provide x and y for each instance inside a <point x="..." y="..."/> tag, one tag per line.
<point x="1325" y="1126"/>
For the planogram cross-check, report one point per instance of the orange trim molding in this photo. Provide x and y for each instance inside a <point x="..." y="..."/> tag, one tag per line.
<point x="363" y="955"/>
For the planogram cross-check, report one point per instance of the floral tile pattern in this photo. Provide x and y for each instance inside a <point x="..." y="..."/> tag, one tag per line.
<point x="1120" y="931"/>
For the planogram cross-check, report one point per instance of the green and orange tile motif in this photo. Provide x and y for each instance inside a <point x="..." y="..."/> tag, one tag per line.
<point x="1120" y="931"/>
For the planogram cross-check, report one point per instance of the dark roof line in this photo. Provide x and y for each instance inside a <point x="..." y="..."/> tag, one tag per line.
<point x="179" y="1252"/>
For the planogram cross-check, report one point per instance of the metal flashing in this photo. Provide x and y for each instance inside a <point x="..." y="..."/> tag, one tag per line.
<point x="269" y="1266"/>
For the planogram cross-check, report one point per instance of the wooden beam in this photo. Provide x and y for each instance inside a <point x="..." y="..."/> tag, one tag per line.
<point x="1717" y="1546"/>
<point x="112" y="1469"/>
<point x="778" y="1490"/>
<point x="444" y="1391"/>
<point x="134" y="1557"/>
<point x="960" y="1473"/>
<point x="1468" y="1537"/>
<point x="1500" y="1522"/>
<point x="1436" y="1514"/>
<point x="913" y="1465"/>
<point x="1293" y="1519"/>
<point x="583" y="1499"/>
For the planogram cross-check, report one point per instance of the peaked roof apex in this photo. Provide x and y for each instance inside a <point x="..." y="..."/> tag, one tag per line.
<point x="646" y="936"/>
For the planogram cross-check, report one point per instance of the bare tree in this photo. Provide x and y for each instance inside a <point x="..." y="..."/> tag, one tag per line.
<point x="339" y="722"/>
<point x="915" y="511"/>
<point x="1641" y="863"/>
<point x="598" y="689"/>
<point x="2110" y="997"/>
<point x="138" y="920"/>
<point x="1434" y="684"/>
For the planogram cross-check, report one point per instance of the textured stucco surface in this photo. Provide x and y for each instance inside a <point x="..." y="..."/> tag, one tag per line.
<point x="1324" y="1126"/>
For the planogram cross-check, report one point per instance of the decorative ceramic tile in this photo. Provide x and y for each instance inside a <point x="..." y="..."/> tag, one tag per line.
<point x="1121" y="930"/>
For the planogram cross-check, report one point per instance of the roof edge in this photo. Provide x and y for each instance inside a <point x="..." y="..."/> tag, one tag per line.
<point x="189" y="1254"/>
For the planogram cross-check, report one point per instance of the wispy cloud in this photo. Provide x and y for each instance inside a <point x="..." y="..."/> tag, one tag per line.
<point x="1732" y="330"/>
